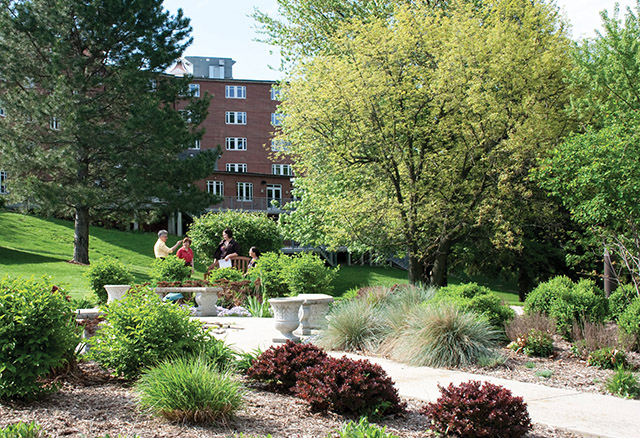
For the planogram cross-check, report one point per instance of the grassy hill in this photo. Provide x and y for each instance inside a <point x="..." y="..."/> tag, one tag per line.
<point x="32" y="246"/>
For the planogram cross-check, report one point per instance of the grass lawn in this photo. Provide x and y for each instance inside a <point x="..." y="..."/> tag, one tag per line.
<point x="32" y="246"/>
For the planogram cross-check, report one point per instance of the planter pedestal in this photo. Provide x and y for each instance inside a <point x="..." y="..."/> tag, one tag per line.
<point x="285" y="314"/>
<point x="116" y="291"/>
<point x="312" y="312"/>
<point x="206" y="297"/>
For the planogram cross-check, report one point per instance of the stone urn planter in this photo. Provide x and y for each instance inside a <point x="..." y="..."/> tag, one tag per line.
<point x="312" y="312"/>
<point x="116" y="291"/>
<point x="206" y="297"/>
<point x="285" y="314"/>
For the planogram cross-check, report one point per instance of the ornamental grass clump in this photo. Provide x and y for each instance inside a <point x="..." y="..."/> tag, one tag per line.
<point x="347" y="386"/>
<point x="442" y="335"/>
<point x="190" y="390"/>
<point x="477" y="410"/>
<point x="278" y="367"/>
<point x="353" y="325"/>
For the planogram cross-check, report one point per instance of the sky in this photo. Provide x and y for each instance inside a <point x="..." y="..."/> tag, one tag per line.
<point x="224" y="29"/>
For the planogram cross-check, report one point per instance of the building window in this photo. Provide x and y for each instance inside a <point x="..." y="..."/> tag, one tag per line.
<point x="54" y="124"/>
<point x="276" y="119"/>
<point x="245" y="191"/>
<point x="235" y="92"/>
<point x="274" y="195"/>
<point x="194" y="90"/>
<point x="2" y="113"/>
<point x="236" y="167"/>
<point x="275" y="93"/>
<point x="216" y="72"/>
<point x="196" y="145"/>
<point x="236" y="144"/>
<point x="3" y="182"/>
<point x="236" y="118"/>
<point x="215" y="187"/>
<point x="153" y="85"/>
<point x="280" y="145"/>
<point x="281" y="169"/>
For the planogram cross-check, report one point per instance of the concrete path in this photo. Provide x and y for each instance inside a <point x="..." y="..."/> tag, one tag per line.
<point x="588" y="414"/>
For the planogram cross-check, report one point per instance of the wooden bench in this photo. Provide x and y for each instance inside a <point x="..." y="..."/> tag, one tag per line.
<point x="240" y="263"/>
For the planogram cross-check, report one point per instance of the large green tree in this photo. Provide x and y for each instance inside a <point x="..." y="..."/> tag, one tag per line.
<point x="92" y="126"/>
<point x="412" y="132"/>
<point x="596" y="172"/>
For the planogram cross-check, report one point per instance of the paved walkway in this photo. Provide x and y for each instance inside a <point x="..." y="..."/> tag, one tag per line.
<point x="588" y="414"/>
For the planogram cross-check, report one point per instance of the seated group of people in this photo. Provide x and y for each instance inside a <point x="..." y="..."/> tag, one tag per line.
<point x="227" y="249"/>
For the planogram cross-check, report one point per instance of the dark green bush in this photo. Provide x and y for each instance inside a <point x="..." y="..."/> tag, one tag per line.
<point x="620" y="299"/>
<point x="629" y="320"/>
<point x="141" y="331"/>
<point x="249" y="229"/>
<point x="566" y="302"/>
<point x="231" y="274"/>
<point x="306" y="273"/>
<point x="478" y="299"/>
<point x="37" y="334"/>
<point x="607" y="358"/>
<point x="171" y="268"/>
<point x="22" y="430"/>
<point x="107" y="271"/>
<point x="272" y="277"/>
<point x="476" y="410"/>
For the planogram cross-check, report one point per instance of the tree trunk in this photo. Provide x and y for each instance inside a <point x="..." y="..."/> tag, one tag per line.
<point x="415" y="269"/>
<point x="438" y="276"/>
<point x="81" y="236"/>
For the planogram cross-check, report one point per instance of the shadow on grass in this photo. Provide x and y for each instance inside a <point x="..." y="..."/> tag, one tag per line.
<point x="17" y="257"/>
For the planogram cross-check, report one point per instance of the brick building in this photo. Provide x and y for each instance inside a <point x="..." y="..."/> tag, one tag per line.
<point x="242" y="118"/>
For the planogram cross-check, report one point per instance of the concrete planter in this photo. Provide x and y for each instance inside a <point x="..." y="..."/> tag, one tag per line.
<point x="206" y="297"/>
<point x="313" y="312"/>
<point x="285" y="314"/>
<point x="116" y="291"/>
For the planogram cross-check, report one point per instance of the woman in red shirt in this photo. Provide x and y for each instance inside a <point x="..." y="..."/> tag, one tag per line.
<point x="186" y="253"/>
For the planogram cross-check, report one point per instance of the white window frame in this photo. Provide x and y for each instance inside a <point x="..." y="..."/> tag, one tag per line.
<point x="194" y="90"/>
<point x="216" y="72"/>
<point x="235" y="118"/>
<point x="3" y="182"/>
<point x="280" y="145"/>
<point x="236" y="167"/>
<point x="235" y="92"/>
<point x="275" y="93"/>
<point x="196" y="144"/>
<point x="2" y="112"/>
<point x="277" y="118"/>
<point x="215" y="187"/>
<point x="236" y="143"/>
<point x="281" y="169"/>
<point x="54" y="124"/>
<point x="244" y="191"/>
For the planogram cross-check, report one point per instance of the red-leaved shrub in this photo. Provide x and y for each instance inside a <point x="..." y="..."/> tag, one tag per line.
<point x="475" y="410"/>
<point x="349" y="387"/>
<point x="278" y="366"/>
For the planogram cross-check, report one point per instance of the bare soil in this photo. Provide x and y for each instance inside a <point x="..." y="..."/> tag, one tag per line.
<point x="90" y="403"/>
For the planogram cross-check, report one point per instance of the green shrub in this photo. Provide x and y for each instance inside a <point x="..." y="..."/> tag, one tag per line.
<point x="249" y="229"/>
<point x="140" y="331"/>
<point x="218" y="354"/>
<point x="231" y="274"/>
<point x="37" y="334"/>
<point x="362" y="429"/>
<point x="534" y="343"/>
<point x="567" y="302"/>
<point x="171" y="268"/>
<point x="442" y="335"/>
<point x="273" y="280"/>
<point x="353" y="325"/>
<point x="629" y="320"/>
<point x="521" y="325"/>
<point x="607" y="358"/>
<point x="620" y="299"/>
<point x="623" y="384"/>
<point x="22" y="430"/>
<point x="107" y="271"/>
<point x="189" y="390"/>
<point x="306" y="272"/>
<point x="478" y="299"/>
